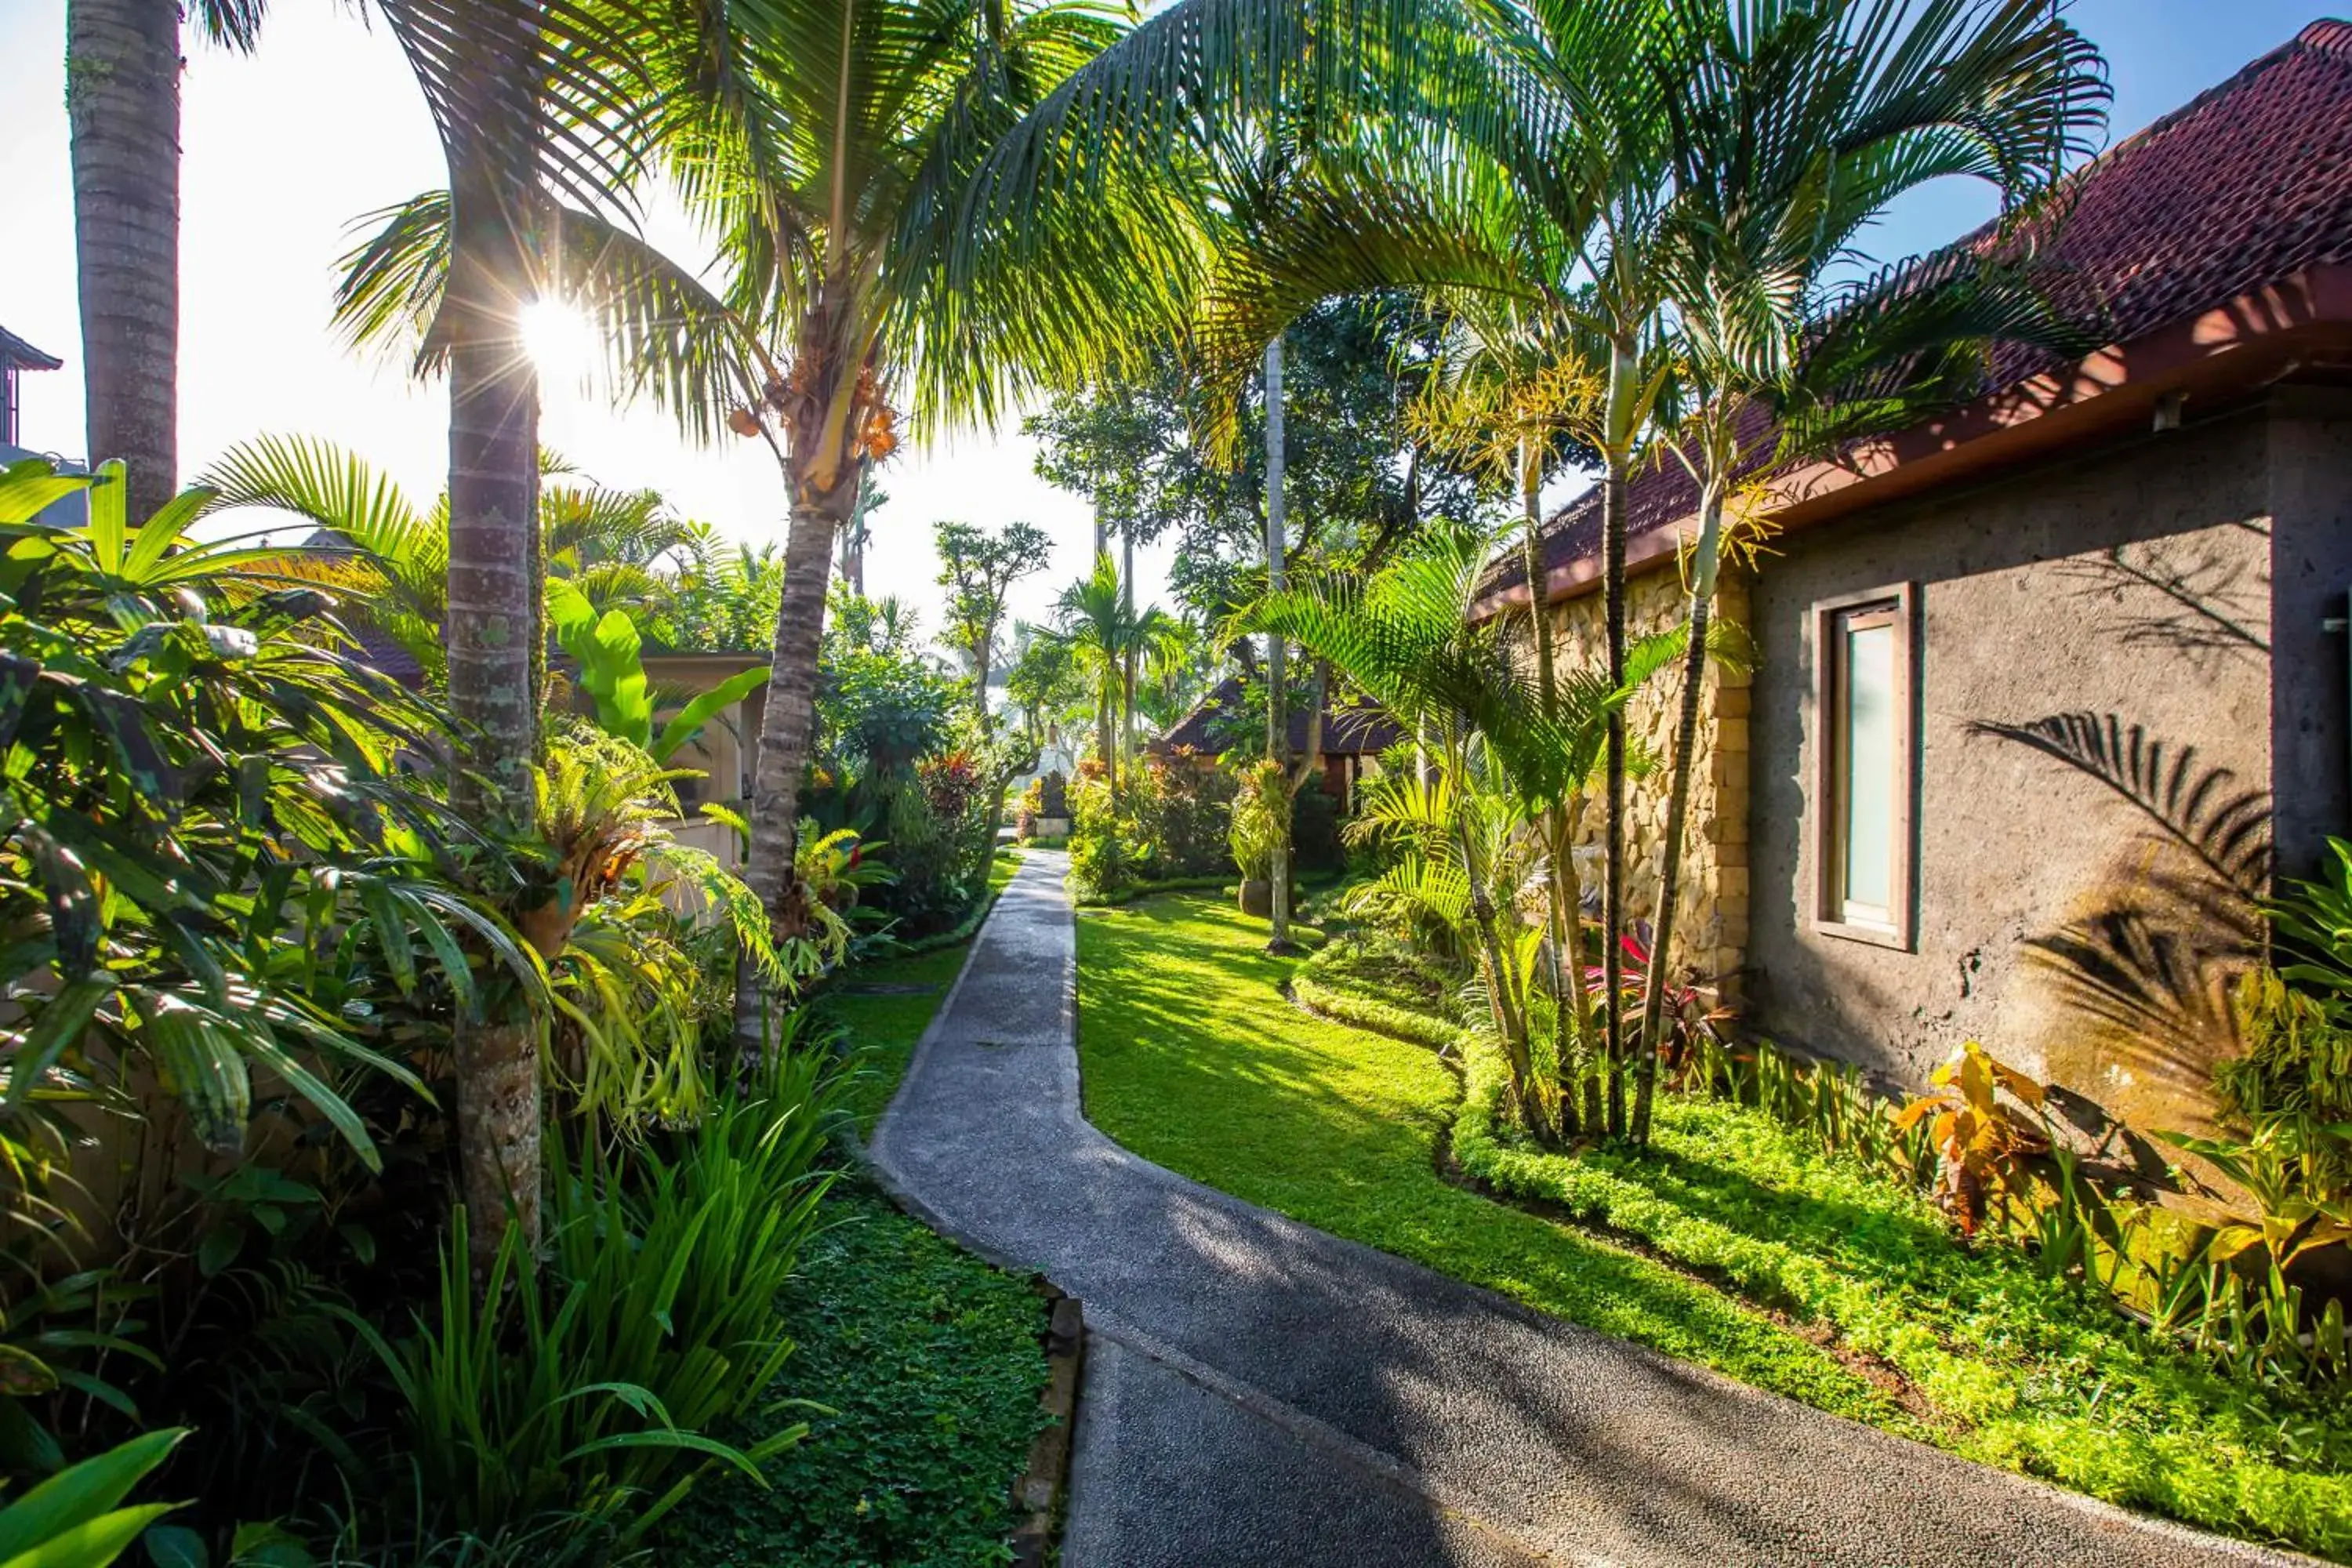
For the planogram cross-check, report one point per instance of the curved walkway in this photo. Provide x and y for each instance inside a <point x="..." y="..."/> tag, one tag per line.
<point x="1260" y="1394"/>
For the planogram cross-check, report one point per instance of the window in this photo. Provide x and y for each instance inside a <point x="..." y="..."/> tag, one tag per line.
<point x="1864" y="767"/>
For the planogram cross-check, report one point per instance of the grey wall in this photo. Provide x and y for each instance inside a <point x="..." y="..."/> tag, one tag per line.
<point x="2055" y="921"/>
<point x="2311" y="509"/>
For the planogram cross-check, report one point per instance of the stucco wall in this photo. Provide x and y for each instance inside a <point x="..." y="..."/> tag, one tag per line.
<point x="1711" y="925"/>
<point x="2311" y="508"/>
<point x="2054" y="921"/>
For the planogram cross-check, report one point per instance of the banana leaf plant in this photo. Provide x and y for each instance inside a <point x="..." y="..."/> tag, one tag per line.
<point x="611" y="657"/>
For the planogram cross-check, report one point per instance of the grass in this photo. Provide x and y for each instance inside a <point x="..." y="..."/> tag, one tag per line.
<point x="1193" y="1058"/>
<point x="930" y="1364"/>
<point x="884" y="1006"/>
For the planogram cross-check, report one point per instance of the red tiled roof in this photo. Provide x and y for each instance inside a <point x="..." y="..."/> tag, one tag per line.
<point x="2246" y="185"/>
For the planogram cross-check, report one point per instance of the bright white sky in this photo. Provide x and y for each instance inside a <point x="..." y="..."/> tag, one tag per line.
<point x="283" y="150"/>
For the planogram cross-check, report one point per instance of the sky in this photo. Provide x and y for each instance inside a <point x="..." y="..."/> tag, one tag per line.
<point x="284" y="150"/>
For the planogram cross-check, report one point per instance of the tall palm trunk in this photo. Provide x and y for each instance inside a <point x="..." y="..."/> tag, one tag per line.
<point x="123" y="97"/>
<point x="786" y="731"/>
<point x="1623" y="371"/>
<point x="1277" y="717"/>
<point x="1566" y="918"/>
<point x="1127" y="601"/>
<point x="1106" y="730"/>
<point x="492" y="633"/>
<point x="1653" y="995"/>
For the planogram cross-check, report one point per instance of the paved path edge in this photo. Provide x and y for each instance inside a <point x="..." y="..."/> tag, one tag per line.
<point x="1308" y="1427"/>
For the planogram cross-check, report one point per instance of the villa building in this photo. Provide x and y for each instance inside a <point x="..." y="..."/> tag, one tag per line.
<point x="2045" y="691"/>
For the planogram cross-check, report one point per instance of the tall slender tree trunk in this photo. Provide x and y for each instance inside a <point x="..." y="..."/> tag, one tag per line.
<point x="1127" y="599"/>
<point x="1653" y="992"/>
<point x="1624" y="369"/>
<point x="787" y="727"/>
<point x="853" y="551"/>
<point x="492" y="631"/>
<point x="1564" y="980"/>
<point x="1277" y="717"/>
<point x="122" y="98"/>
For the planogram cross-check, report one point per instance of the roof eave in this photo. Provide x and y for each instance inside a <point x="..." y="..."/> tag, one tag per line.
<point x="2252" y="340"/>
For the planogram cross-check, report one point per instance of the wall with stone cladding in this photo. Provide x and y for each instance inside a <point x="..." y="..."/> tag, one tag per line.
<point x="1711" y="925"/>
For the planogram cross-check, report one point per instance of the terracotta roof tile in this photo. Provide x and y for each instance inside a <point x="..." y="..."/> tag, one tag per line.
<point x="2246" y="185"/>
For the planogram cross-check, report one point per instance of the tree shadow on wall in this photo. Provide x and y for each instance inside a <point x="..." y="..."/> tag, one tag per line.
<point x="2143" y="963"/>
<point x="2205" y="602"/>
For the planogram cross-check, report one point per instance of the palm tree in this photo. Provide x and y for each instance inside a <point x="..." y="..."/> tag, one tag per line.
<point x="1406" y="638"/>
<point x="526" y="96"/>
<point x="122" y="98"/>
<point x="1567" y="202"/>
<point x="1096" y="620"/>
<point x="1865" y="102"/>
<point x="1540" y="191"/>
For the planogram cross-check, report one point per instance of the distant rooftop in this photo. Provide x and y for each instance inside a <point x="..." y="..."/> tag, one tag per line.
<point x="15" y="354"/>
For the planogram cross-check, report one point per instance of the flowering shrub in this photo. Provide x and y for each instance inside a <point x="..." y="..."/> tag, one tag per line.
<point x="1178" y="814"/>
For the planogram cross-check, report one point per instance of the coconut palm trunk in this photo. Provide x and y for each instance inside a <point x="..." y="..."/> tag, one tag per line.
<point x="123" y="97"/>
<point x="787" y="726"/>
<point x="492" y="633"/>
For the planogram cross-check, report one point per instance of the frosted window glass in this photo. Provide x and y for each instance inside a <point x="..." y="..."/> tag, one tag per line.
<point x="1870" y="771"/>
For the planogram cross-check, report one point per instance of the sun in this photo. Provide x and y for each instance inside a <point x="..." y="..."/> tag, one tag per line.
<point x="559" y="339"/>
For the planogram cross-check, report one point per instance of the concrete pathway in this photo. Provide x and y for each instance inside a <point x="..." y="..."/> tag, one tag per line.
<point x="1259" y="1394"/>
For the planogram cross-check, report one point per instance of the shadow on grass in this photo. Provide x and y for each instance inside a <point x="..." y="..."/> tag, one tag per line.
<point x="1194" y="1058"/>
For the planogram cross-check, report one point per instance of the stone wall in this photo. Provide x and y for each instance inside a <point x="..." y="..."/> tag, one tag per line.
<point x="1711" y="924"/>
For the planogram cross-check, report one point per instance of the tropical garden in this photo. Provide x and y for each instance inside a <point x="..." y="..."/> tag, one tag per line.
<point x="421" y="1147"/>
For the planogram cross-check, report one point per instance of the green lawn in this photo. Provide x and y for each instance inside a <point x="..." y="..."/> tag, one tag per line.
<point x="1193" y="1057"/>
<point x="885" y="1005"/>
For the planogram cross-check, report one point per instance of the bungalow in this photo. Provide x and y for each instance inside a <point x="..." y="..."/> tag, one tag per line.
<point x="2045" y="691"/>
<point x="1354" y="736"/>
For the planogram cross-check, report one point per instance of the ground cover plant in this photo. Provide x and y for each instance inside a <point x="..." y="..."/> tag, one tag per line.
<point x="1732" y="1218"/>
<point x="927" y="1366"/>
<point x="927" y="1363"/>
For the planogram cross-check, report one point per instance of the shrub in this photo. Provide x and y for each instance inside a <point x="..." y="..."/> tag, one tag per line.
<point x="1097" y="864"/>
<point x="594" y="1387"/>
<point x="1255" y="830"/>
<point x="1181" y="814"/>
